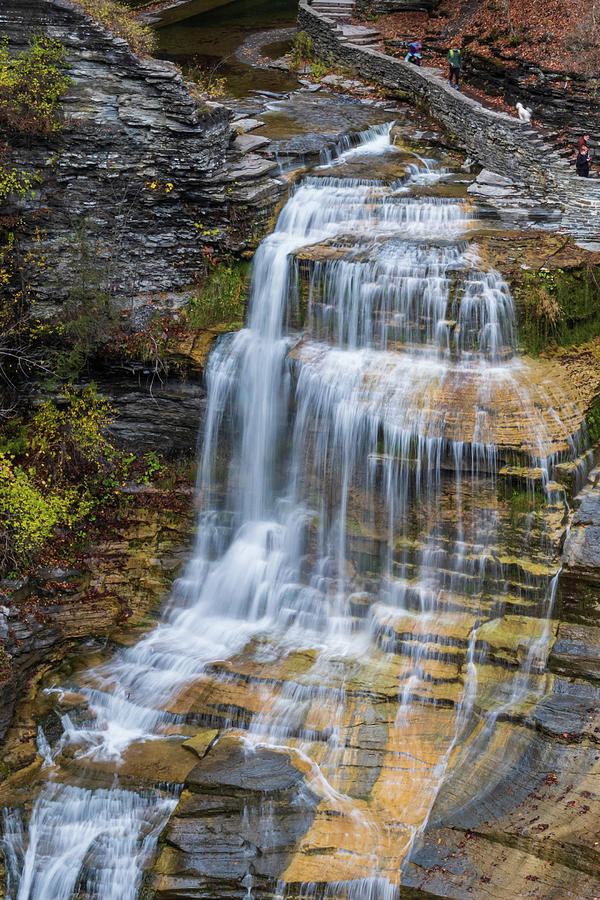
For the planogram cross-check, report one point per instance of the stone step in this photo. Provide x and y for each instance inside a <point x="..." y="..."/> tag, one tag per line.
<point x="361" y="42"/>
<point x="430" y="580"/>
<point x="334" y="14"/>
<point x="358" y="31"/>
<point x="247" y="143"/>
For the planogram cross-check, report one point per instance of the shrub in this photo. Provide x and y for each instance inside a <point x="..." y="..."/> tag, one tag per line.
<point x="122" y="22"/>
<point x="303" y="51"/>
<point x="16" y="183"/>
<point x="206" y="82"/>
<point x="318" y="70"/>
<point x="220" y="299"/>
<point x="29" y="513"/>
<point x="69" y="441"/>
<point x="32" y="85"/>
<point x="65" y="466"/>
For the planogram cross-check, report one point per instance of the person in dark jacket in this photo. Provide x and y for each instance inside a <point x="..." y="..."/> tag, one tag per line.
<point x="582" y="162"/>
<point x="454" y="62"/>
<point x="583" y="141"/>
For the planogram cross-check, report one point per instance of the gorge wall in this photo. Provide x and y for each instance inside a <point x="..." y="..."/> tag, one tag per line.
<point x="139" y="167"/>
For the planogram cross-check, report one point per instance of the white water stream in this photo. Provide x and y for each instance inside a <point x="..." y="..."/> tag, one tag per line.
<point x="358" y="410"/>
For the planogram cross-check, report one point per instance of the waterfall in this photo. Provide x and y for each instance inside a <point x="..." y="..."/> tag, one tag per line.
<point x="367" y="407"/>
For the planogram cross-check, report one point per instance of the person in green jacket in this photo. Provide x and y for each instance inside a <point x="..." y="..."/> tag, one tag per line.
<point x="454" y="62"/>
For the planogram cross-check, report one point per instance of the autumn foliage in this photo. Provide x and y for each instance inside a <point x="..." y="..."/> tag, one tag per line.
<point x="558" y="35"/>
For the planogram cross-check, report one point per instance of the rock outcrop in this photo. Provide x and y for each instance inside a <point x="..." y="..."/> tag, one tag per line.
<point x="123" y="578"/>
<point x="580" y="574"/>
<point x="139" y="168"/>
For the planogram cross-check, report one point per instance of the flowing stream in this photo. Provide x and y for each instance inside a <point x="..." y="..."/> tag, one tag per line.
<point x="358" y="434"/>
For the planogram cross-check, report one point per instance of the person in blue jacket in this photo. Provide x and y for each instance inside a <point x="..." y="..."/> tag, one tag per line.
<point x="414" y="53"/>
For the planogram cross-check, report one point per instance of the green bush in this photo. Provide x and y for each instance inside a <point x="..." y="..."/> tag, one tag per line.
<point x="30" y="512"/>
<point x="122" y="22"/>
<point x="69" y="440"/>
<point x="32" y="85"/>
<point x="54" y="471"/>
<point x="220" y="299"/>
<point x="303" y="51"/>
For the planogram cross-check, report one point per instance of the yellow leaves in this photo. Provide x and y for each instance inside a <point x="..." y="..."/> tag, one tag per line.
<point x="66" y="469"/>
<point x="29" y="515"/>
<point x="83" y="417"/>
<point x="31" y="87"/>
<point x="158" y="186"/>
<point x="14" y="181"/>
<point x="121" y="21"/>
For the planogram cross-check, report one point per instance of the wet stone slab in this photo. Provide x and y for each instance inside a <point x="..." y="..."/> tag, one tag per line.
<point x="242" y="808"/>
<point x="576" y="652"/>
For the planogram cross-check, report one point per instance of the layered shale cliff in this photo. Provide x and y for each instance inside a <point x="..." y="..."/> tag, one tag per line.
<point x="139" y="166"/>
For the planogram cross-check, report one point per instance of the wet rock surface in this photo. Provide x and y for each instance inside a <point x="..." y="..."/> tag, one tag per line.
<point x="580" y="574"/>
<point x="242" y="807"/>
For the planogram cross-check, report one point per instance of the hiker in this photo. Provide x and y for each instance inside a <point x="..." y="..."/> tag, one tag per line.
<point x="582" y="162"/>
<point x="454" y="62"/>
<point x="414" y="53"/>
<point x="584" y="140"/>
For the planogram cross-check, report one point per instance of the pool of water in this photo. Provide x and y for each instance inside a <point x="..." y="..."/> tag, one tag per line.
<point x="212" y="38"/>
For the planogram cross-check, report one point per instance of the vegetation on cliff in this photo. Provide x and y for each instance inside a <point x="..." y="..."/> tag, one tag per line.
<point x="122" y="22"/>
<point x="59" y="473"/>
<point x="32" y="85"/>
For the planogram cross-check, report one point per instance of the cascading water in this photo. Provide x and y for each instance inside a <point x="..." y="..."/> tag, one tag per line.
<point x="369" y="406"/>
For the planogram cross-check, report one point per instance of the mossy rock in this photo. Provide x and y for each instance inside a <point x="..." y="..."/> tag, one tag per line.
<point x="555" y="285"/>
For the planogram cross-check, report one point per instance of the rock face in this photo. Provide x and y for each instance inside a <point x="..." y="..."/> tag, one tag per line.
<point x="260" y="789"/>
<point x="124" y="577"/>
<point x="139" y="168"/>
<point x="560" y="99"/>
<point x="580" y="574"/>
<point x="165" y="416"/>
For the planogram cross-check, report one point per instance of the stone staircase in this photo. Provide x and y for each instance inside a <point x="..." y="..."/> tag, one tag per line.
<point x="334" y="9"/>
<point x="580" y="198"/>
<point x="341" y="11"/>
<point x="360" y="35"/>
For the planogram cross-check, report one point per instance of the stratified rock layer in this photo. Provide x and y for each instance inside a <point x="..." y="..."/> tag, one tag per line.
<point x="138" y="168"/>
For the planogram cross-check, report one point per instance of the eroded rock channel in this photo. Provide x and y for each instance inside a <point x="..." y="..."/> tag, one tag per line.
<point x="349" y="694"/>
